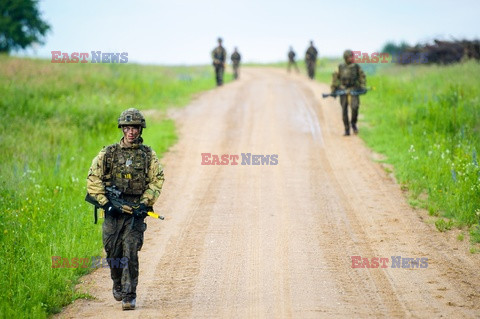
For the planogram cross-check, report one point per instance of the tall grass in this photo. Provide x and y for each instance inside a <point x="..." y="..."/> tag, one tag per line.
<point x="55" y="119"/>
<point x="426" y="119"/>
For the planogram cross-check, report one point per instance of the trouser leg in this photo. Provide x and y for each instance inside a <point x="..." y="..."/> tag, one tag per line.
<point x="355" y="105"/>
<point x="219" y="75"/>
<point x="132" y="243"/>
<point x="112" y="242"/>
<point x="344" y="104"/>
<point x="235" y="72"/>
<point x="311" y="70"/>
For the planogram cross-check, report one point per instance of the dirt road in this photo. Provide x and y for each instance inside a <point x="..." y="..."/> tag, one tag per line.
<point x="276" y="241"/>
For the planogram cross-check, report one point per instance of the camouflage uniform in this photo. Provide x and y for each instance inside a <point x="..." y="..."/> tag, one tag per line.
<point x="350" y="76"/>
<point x="219" y="55"/>
<point x="137" y="173"/>
<point x="291" y="60"/>
<point x="236" y="57"/>
<point x="311" y="60"/>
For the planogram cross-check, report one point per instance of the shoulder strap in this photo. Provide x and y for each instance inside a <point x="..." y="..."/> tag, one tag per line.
<point x="108" y="160"/>
<point x="148" y="159"/>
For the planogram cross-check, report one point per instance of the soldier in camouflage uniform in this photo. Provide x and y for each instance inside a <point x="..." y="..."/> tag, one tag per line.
<point x="291" y="60"/>
<point x="311" y="60"/>
<point x="135" y="170"/>
<point x="236" y="57"/>
<point x="219" y="55"/>
<point x="350" y="76"/>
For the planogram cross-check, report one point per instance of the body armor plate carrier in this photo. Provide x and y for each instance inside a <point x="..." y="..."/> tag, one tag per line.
<point x="127" y="169"/>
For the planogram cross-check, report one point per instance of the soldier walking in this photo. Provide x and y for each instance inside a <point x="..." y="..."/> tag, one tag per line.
<point x="311" y="60"/>
<point x="291" y="60"/>
<point x="219" y="55"/>
<point x="236" y="57"/>
<point x="134" y="169"/>
<point x="349" y="77"/>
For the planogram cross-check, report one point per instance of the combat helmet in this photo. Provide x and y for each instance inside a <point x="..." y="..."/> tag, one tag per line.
<point x="347" y="54"/>
<point x="132" y="117"/>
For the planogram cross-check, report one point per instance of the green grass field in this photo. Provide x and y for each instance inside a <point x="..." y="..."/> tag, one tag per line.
<point x="55" y="119"/>
<point x="426" y="120"/>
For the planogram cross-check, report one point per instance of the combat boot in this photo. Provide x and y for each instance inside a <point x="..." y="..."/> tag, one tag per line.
<point x="355" y="129"/>
<point x="117" y="292"/>
<point x="128" y="303"/>
<point x="347" y="133"/>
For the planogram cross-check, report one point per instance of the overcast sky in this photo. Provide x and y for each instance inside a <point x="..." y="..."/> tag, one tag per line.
<point x="185" y="31"/>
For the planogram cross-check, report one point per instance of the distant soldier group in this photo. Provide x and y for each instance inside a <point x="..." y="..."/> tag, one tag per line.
<point x="219" y="56"/>
<point x="349" y="82"/>
<point x="310" y="60"/>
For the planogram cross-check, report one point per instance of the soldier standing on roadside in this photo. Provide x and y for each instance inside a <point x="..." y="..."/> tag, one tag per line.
<point x="350" y="76"/>
<point x="219" y="55"/>
<point x="135" y="170"/>
<point x="236" y="57"/>
<point x="291" y="60"/>
<point x="311" y="60"/>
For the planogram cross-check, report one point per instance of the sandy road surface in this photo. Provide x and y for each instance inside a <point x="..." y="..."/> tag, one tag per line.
<point x="247" y="241"/>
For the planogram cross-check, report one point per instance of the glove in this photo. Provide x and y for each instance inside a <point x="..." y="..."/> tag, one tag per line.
<point x="141" y="211"/>
<point x="111" y="210"/>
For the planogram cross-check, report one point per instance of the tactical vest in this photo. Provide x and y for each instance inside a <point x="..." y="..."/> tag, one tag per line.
<point x="236" y="58"/>
<point x="219" y="54"/>
<point x="127" y="168"/>
<point x="311" y="54"/>
<point x="349" y="75"/>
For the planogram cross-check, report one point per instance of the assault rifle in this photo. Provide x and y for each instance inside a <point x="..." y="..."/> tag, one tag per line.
<point x="114" y="196"/>
<point x="345" y="92"/>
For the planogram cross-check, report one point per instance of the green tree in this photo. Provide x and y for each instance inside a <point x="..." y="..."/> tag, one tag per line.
<point x="20" y="24"/>
<point x="394" y="49"/>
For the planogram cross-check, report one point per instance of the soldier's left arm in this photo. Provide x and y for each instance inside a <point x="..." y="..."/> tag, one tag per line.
<point x="224" y="55"/>
<point x="362" y="78"/>
<point x="156" y="177"/>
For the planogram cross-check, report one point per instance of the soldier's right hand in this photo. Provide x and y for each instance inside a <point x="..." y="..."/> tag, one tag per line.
<point x="111" y="210"/>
